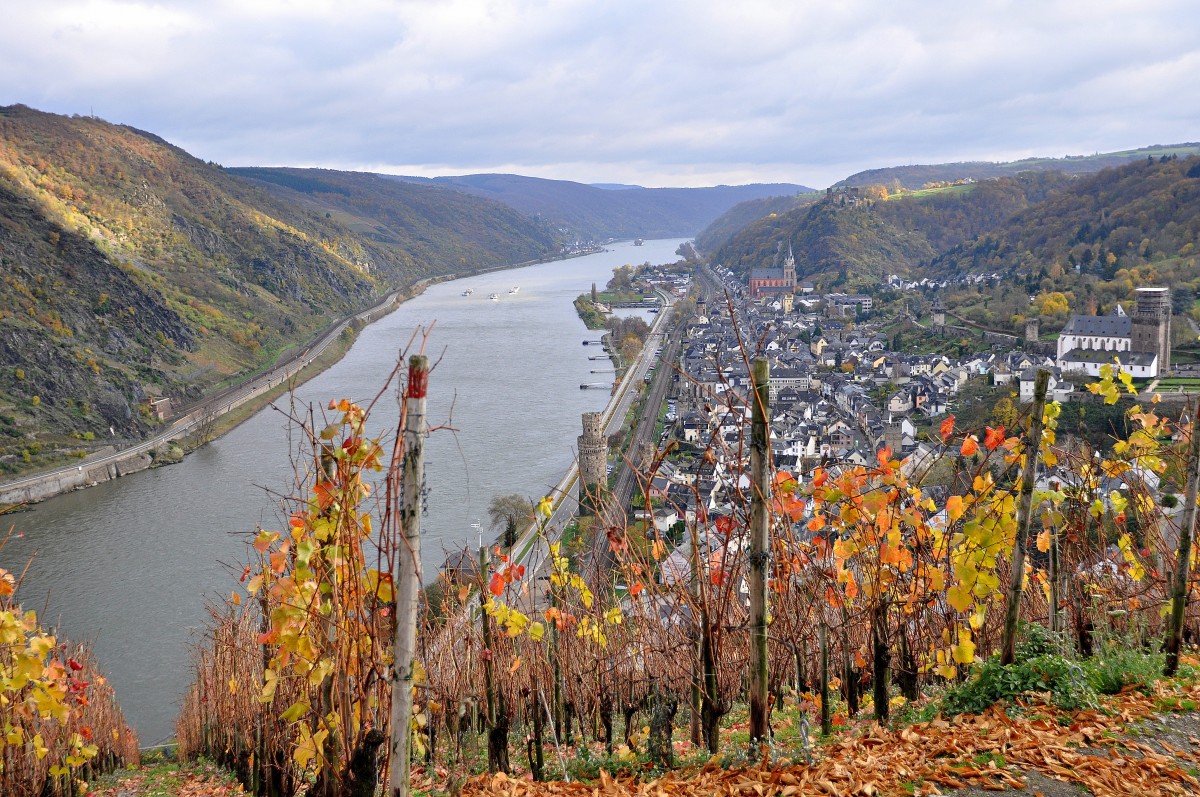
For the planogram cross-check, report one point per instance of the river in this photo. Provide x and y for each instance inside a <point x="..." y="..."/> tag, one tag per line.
<point x="130" y="564"/>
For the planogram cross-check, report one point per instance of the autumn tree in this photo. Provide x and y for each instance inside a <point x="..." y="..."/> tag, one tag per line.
<point x="509" y="514"/>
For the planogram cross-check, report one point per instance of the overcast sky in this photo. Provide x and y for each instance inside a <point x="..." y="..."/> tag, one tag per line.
<point x="695" y="92"/>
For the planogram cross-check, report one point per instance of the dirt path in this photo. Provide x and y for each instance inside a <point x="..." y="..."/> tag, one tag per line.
<point x="168" y="780"/>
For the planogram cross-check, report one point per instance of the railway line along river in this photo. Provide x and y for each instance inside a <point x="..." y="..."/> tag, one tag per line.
<point x="129" y="565"/>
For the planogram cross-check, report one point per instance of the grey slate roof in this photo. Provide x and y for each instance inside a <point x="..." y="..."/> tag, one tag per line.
<point x="1108" y="326"/>
<point x="1141" y="358"/>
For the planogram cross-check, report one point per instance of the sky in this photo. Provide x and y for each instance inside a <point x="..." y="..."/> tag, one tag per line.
<point x="646" y="92"/>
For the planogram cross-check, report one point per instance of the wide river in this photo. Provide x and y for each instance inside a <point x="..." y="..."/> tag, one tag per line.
<point x="129" y="565"/>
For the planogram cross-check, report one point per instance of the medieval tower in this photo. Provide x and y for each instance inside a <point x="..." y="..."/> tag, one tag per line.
<point x="593" y="460"/>
<point x="1151" y="327"/>
<point x="939" y="315"/>
<point x="1032" y="329"/>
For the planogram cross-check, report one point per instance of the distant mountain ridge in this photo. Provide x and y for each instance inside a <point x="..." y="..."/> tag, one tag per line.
<point x="612" y="211"/>
<point x="917" y="176"/>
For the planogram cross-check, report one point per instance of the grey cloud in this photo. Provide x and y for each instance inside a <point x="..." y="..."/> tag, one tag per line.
<point x="673" y="92"/>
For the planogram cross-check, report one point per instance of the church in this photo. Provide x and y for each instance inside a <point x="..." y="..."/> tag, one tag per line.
<point x="1142" y="342"/>
<point x="770" y="281"/>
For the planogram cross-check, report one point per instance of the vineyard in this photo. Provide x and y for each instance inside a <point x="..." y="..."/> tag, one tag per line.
<point x="879" y="596"/>
<point x="755" y="631"/>
<point x="59" y="719"/>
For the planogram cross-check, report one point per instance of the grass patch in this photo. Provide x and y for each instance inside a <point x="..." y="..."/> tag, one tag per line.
<point x="230" y="420"/>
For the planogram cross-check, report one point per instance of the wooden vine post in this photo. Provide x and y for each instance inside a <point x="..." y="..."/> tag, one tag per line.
<point x="760" y="521"/>
<point x="1179" y="585"/>
<point x="1016" y="583"/>
<point x="826" y="709"/>
<point x="408" y="576"/>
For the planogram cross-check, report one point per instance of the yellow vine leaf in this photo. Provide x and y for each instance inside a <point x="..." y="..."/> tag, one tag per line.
<point x="964" y="651"/>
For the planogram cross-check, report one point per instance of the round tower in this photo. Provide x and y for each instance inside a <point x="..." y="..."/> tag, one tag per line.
<point x="593" y="460"/>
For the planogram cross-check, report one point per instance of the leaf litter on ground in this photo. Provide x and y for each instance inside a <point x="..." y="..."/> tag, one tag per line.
<point x="991" y="751"/>
<point x="198" y="779"/>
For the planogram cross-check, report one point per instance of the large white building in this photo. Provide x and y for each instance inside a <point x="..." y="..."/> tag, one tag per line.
<point x="1141" y="342"/>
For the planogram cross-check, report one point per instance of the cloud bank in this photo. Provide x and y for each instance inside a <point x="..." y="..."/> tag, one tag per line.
<point x="662" y="93"/>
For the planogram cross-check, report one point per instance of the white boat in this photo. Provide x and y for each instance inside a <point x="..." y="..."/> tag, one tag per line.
<point x="468" y="291"/>
<point x="514" y="290"/>
<point x="494" y="298"/>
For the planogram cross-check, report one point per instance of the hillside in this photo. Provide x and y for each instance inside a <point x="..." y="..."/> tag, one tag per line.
<point x="853" y="240"/>
<point x="424" y="228"/>
<point x="132" y="269"/>
<point x="917" y="176"/>
<point x="592" y="212"/>
<point x="1093" y="243"/>
<point x="1143" y="216"/>
<point x="746" y="213"/>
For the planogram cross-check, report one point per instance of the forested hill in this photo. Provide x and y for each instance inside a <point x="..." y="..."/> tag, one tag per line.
<point x="129" y="268"/>
<point x="743" y="214"/>
<point x="1137" y="223"/>
<point x="918" y="176"/>
<point x="853" y="239"/>
<point x="424" y="227"/>
<point x="588" y="211"/>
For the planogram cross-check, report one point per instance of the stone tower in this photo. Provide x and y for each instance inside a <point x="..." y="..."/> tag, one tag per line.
<point x="593" y="461"/>
<point x="893" y="436"/>
<point x="939" y="314"/>
<point x="1032" y="330"/>
<point x="789" y="271"/>
<point x="1151" y="325"/>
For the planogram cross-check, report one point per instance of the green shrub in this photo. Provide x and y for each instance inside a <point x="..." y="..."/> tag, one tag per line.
<point x="1117" y="667"/>
<point x="1035" y="640"/>
<point x="1062" y="678"/>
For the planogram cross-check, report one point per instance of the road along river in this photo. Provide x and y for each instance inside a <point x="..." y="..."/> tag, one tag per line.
<point x="129" y="564"/>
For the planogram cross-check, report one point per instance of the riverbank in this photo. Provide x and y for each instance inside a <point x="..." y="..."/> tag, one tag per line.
<point x="218" y="414"/>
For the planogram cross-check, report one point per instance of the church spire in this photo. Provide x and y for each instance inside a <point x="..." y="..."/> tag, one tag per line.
<point x="789" y="269"/>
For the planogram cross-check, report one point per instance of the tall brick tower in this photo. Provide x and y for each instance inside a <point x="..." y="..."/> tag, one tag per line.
<point x="593" y="459"/>
<point x="1151" y="327"/>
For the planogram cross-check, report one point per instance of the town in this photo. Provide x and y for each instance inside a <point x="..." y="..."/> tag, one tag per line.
<point x="841" y="391"/>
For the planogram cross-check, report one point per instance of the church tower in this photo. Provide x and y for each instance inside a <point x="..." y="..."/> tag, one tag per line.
<point x="1151" y="325"/>
<point x="789" y="271"/>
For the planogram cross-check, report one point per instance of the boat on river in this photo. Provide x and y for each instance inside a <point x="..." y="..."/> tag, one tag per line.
<point x="514" y="290"/>
<point x="468" y="291"/>
<point x="494" y="298"/>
